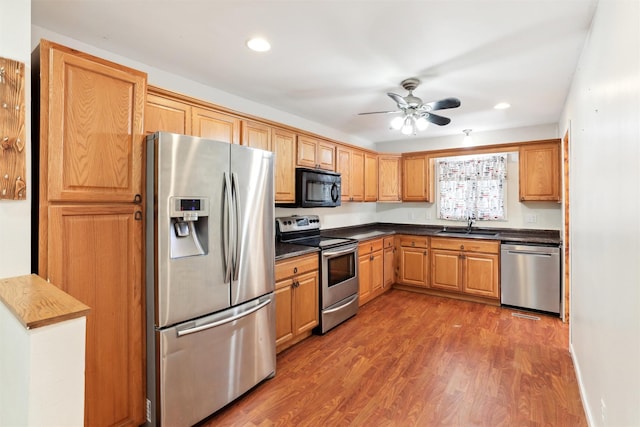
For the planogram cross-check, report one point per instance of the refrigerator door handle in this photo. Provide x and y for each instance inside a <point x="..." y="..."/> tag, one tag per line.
<point x="226" y="239"/>
<point x="223" y="321"/>
<point x="238" y="215"/>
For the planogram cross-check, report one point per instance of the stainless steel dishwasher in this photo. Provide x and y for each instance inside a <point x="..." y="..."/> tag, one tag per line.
<point x="530" y="277"/>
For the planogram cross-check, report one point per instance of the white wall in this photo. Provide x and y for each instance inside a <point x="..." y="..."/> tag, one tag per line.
<point x="160" y="78"/>
<point x="15" y="227"/>
<point x="603" y="116"/>
<point x="548" y="215"/>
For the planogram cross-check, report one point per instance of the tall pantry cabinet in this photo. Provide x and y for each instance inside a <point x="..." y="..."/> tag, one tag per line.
<point x="90" y="216"/>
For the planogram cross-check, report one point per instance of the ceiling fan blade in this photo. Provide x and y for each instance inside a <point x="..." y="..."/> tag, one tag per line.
<point x="398" y="99"/>
<point x="443" y="104"/>
<point x="438" y="120"/>
<point x="381" y="112"/>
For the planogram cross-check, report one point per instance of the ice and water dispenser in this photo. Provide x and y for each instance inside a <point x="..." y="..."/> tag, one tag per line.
<point x="189" y="226"/>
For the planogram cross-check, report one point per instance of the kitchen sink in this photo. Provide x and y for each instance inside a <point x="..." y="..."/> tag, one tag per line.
<point x="464" y="232"/>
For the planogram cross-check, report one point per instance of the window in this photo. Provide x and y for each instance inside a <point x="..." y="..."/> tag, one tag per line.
<point x="472" y="187"/>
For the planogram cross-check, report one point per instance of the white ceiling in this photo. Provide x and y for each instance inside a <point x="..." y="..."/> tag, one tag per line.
<point x="331" y="60"/>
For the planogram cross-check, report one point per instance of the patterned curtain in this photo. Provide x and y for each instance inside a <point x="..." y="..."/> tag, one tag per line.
<point x="472" y="187"/>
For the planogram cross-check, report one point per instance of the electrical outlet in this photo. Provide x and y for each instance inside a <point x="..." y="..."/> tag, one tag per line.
<point x="603" y="410"/>
<point x="427" y="215"/>
<point x="531" y="218"/>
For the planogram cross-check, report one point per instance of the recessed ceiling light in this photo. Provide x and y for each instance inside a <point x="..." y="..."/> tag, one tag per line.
<point x="502" y="106"/>
<point x="258" y="44"/>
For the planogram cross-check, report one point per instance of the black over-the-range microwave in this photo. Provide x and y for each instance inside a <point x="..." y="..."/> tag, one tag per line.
<point x="316" y="188"/>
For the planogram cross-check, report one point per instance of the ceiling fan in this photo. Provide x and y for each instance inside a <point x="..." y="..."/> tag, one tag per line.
<point x="416" y="114"/>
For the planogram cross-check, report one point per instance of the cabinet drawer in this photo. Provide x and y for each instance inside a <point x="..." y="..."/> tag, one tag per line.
<point x="388" y="242"/>
<point x="467" y="245"/>
<point x="298" y="265"/>
<point x="370" y="247"/>
<point x="414" y="241"/>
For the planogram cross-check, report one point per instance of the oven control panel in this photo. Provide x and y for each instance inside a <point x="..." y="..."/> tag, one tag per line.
<point x="288" y="224"/>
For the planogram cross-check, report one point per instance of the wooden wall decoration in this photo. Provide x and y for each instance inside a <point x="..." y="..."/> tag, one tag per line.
<point x="12" y="131"/>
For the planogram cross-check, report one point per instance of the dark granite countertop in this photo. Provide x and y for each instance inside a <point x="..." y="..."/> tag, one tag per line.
<point x="505" y="235"/>
<point x="376" y="230"/>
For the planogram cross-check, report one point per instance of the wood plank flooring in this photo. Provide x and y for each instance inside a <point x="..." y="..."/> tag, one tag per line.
<point x="409" y="359"/>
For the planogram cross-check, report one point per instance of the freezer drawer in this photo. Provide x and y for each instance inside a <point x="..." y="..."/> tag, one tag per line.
<point x="204" y="367"/>
<point x="530" y="277"/>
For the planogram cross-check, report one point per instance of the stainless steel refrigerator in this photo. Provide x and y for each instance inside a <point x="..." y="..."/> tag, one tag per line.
<point x="209" y="274"/>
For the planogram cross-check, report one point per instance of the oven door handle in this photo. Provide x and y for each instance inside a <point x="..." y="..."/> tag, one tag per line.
<point x="329" y="254"/>
<point x="351" y="300"/>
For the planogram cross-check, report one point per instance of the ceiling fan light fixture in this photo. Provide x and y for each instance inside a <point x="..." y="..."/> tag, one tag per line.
<point x="397" y="122"/>
<point x="422" y="123"/>
<point x="408" y="127"/>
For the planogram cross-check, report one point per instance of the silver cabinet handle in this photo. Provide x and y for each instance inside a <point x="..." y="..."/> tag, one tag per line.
<point x="223" y="321"/>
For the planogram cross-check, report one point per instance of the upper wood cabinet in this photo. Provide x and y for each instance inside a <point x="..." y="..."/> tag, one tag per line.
<point x="166" y="115"/>
<point x="215" y="125"/>
<point x="370" y="177"/>
<point x="540" y="171"/>
<point x="256" y="135"/>
<point x="91" y="127"/>
<point x="316" y="153"/>
<point x="284" y="145"/>
<point x="389" y="178"/>
<point x="417" y="185"/>
<point x="350" y="165"/>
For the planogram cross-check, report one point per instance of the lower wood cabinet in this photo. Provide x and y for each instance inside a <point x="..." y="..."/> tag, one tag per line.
<point x="414" y="260"/>
<point x="94" y="254"/>
<point x="297" y="304"/>
<point x="466" y="266"/>
<point x="389" y="255"/>
<point x="370" y="270"/>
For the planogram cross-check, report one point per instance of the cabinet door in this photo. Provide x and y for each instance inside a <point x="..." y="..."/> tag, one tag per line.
<point x="413" y="266"/>
<point x="481" y="275"/>
<point x="446" y="270"/>
<point x="284" y="144"/>
<point x="343" y="167"/>
<point x="326" y="155"/>
<point x="377" y="273"/>
<point x="306" y="152"/>
<point x="95" y="256"/>
<point x="256" y="135"/>
<point x="389" y="179"/>
<point x="167" y="115"/>
<point x="357" y="176"/>
<point x="284" y="313"/>
<point x="364" y="278"/>
<point x="214" y="125"/>
<point x="305" y="299"/>
<point x="389" y="263"/>
<point x="370" y="177"/>
<point x="92" y="132"/>
<point x="540" y="172"/>
<point x="416" y="179"/>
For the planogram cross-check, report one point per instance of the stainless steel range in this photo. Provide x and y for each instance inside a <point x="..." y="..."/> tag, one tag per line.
<point x="338" y="267"/>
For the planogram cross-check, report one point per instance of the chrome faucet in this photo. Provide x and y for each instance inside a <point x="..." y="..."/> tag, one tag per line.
<point x="470" y="222"/>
